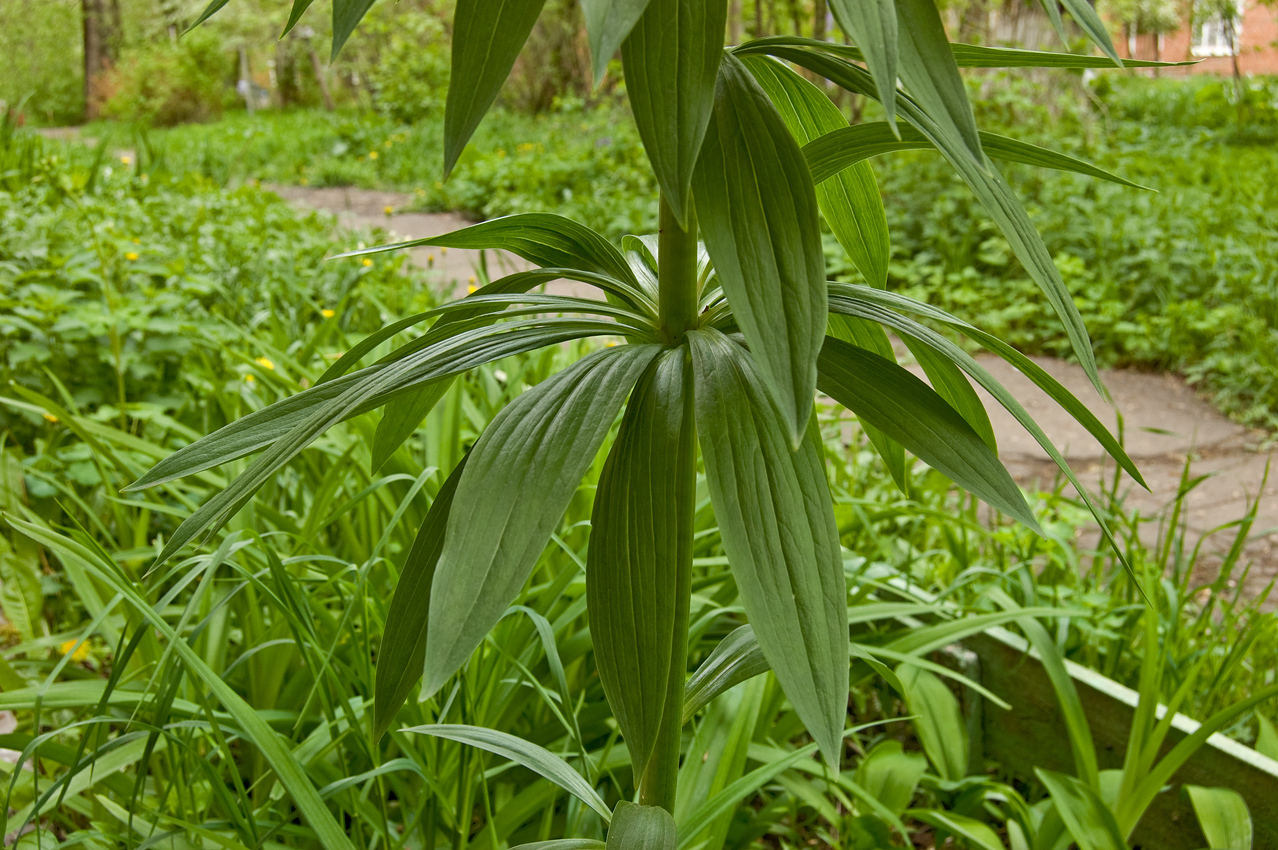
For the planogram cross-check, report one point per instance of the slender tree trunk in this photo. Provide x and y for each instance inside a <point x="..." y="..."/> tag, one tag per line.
<point x="99" y="52"/>
<point x="758" y="18"/>
<point x="246" y="81"/>
<point x="321" y="80"/>
<point x="734" y="22"/>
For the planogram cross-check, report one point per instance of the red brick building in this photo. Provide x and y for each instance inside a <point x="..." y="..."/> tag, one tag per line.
<point x="1209" y="41"/>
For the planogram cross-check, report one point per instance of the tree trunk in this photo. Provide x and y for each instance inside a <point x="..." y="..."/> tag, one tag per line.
<point x="320" y="79"/>
<point x="99" y="52"/>
<point x="758" y="18"/>
<point x="246" y="81"/>
<point x="734" y="22"/>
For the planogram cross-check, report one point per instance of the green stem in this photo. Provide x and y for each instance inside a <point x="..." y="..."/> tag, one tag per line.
<point x="677" y="274"/>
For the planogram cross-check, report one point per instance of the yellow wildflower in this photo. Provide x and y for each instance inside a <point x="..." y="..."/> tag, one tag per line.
<point x="367" y="262"/>
<point x="326" y="313"/>
<point x="264" y="363"/>
<point x="49" y="417"/>
<point x="443" y="251"/>
<point x="388" y="143"/>
<point x="388" y="209"/>
<point x="249" y="379"/>
<point x="126" y="159"/>
<point x="612" y="343"/>
<point x="430" y="259"/>
<point x="81" y="652"/>
<point x="131" y="256"/>
<point x="372" y="154"/>
<point x="472" y="289"/>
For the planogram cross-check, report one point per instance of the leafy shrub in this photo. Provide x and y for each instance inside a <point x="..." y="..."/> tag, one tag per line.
<point x="165" y="83"/>
<point x="408" y="75"/>
<point x="42" y="48"/>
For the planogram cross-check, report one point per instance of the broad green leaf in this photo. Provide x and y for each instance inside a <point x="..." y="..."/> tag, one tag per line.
<point x="487" y="38"/>
<point x="608" y="22"/>
<point x="637" y="827"/>
<point x="446" y="356"/>
<point x="930" y="74"/>
<point x="851" y="202"/>
<point x="981" y="177"/>
<point x="401" y="418"/>
<point x="734" y="660"/>
<point x="403" y="647"/>
<point x="546" y="239"/>
<point x="254" y="726"/>
<point x="938" y="720"/>
<point x="1266" y="738"/>
<point x="891" y="774"/>
<point x="1088" y="819"/>
<point x="974" y="833"/>
<point x="1223" y="816"/>
<point x="759" y="217"/>
<point x="775" y="516"/>
<point x="562" y="844"/>
<point x="21" y="596"/>
<point x="829" y="154"/>
<point x="873" y="338"/>
<point x="539" y="760"/>
<point x="872" y="24"/>
<point x="521" y="475"/>
<point x="951" y="384"/>
<point x="346" y="15"/>
<point x="641" y="553"/>
<point x="672" y="61"/>
<point x="910" y="412"/>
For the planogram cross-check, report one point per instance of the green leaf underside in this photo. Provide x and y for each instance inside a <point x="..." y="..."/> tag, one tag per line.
<point x="758" y="213"/>
<point x="672" y="61"/>
<point x="540" y="443"/>
<point x="910" y="412"/>
<point x="608" y="22"/>
<point x="872" y="337"/>
<point x="636" y="827"/>
<point x="536" y="758"/>
<point x="981" y="177"/>
<point x="636" y="547"/>
<point x="872" y="24"/>
<point x="828" y="155"/>
<point x="346" y="16"/>
<point x="734" y="660"/>
<point x="487" y="38"/>
<point x="403" y="646"/>
<point x="932" y="76"/>
<point x="1089" y="821"/>
<point x="952" y="385"/>
<point x="981" y="56"/>
<point x="850" y="203"/>
<point x="775" y="516"/>
<point x="546" y="239"/>
<point x="401" y="418"/>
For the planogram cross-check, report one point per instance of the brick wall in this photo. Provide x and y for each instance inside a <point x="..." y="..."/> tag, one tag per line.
<point x="1258" y="53"/>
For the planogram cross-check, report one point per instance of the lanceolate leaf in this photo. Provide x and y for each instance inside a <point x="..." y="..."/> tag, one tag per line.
<point x="403" y="647"/>
<point x="401" y="418"/>
<point x="542" y="238"/>
<point x="1088" y="819"/>
<point x="775" y="516"/>
<point x="640" y="553"/>
<point x="518" y="481"/>
<point x="873" y="338"/>
<point x="909" y="411"/>
<point x="346" y="15"/>
<point x="1084" y="14"/>
<point x="836" y="150"/>
<point x="937" y="719"/>
<point x="487" y="38"/>
<point x="930" y="73"/>
<point x="637" y="827"/>
<point x="850" y="203"/>
<point x="608" y="22"/>
<point x="1223" y="816"/>
<point x="758" y="215"/>
<point x="736" y="659"/>
<point x="539" y="760"/>
<point x="951" y="384"/>
<point x="872" y="24"/>
<point x="672" y="60"/>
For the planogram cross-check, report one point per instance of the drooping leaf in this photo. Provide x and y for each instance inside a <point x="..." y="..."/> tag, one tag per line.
<point x="518" y="481"/>
<point x="295" y="14"/>
<point x="538" y="759"/>
<point x="891" y="774"/>
<point x="637" y="827"/>
<point x="21" y="596"/>
<point x="873" y="338"/>
<point x="640" y="554"/>
<point x="1088" y="819"/>
<point x="1223" y="816"/>
<point x="608" y="22"/>
<point x="731" y="797"/>
<point x="1267" y="738"/>
<point x="846" y="146"/>
<point x="546" y="239"/>
<point x="562" y="844"/>
<point x="1084" y="14"/>
<point x="346" y="16"/>
<point x="951" y="384"/>
<point x="758" y="214"/>
<point x="850" y="202"/>
<point x="872" y="24"/>
<point x="774" y="512"/>
<point x="487" y="38"/>
<point x="401" y="418"/>
<point x="734" y="660"/>
<point x="975" y="833"/>
<point x="672" y="61"/>
<point x="403" y="646"/>
<point x="910" y="412"/>
<point x="931" y="75"/>
<point x="938" y="720"/>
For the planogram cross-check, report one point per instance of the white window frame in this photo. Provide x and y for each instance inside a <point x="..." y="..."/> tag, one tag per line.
<point x="1209" y="37"/>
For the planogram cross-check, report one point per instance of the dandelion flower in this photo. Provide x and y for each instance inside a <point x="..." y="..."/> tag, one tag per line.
<point x="265" y="363"/>
<point x="372" y="154"/>
<point x="443" y="251"/>
<point x="249" y="379"/>
<point x="472" y="289"/>
<point x="367" y="262"/>
<point x="81" y="652"/>
<point x="49" y="417"/>
<point x="388" y="209"/>
<point x="131" y="256"/>
<point x="126" y="159"/>
<point x="326" y="313"/>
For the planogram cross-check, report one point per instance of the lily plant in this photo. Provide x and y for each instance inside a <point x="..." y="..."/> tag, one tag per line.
<point x="730" y="331"/>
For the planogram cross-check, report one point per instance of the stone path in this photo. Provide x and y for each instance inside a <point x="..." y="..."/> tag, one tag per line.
<point x="1164" y="421"/>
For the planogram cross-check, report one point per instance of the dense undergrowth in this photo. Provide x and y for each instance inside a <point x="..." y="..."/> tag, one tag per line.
<point x="1179" y="279"/>
<point x="126" y="680"/>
